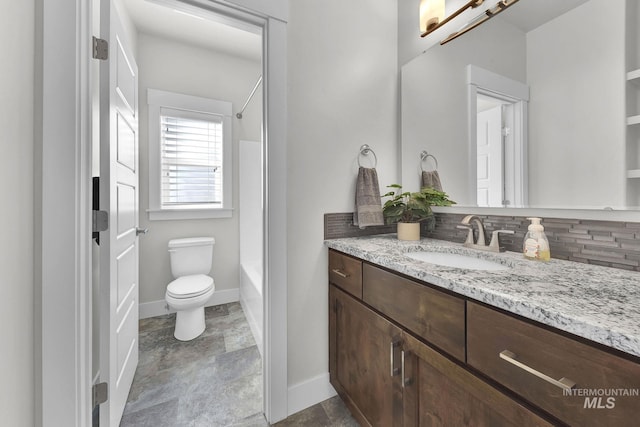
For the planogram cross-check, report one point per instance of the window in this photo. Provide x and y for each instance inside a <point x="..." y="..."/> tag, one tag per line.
<point x="190" y="159"/>
<point x="189" y="156"/>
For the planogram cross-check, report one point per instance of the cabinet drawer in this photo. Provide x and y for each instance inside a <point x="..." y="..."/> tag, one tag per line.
<point x="346" y="273"/>
<point x="541" y="365"/>
<point x="430" y="314"/>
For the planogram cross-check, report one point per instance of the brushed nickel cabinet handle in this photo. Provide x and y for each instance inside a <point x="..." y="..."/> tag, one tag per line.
<point x="340" y="273"/>
<point x="392" y="347"/>
<point x="563" y="383"/>
<point x="405" y="381"/>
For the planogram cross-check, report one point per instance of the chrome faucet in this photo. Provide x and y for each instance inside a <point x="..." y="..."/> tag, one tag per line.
<point x="481" y="242"/>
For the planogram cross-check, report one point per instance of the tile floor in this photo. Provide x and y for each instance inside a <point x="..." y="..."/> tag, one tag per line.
<point x="213" y="380"/>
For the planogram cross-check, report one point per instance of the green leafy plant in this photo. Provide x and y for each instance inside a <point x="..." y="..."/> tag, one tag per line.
<point x="412" y="207"/>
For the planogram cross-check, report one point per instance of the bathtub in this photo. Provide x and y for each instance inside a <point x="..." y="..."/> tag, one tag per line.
<point x="251" y="299"/>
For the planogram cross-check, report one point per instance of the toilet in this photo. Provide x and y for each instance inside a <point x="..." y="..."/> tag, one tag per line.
<point x="192" y="288"/>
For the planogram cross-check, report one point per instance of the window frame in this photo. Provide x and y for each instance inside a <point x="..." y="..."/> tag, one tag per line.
<point x="158" y="99"/>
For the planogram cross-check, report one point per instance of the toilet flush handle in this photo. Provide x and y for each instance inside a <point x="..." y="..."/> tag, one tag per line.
<point x="140" y="231"/>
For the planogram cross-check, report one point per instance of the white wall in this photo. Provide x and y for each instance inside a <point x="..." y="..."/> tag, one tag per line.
<point x="342" y="94"/>
<point x="16" y="216"/>
<point x="571" y="138"/>
<point x="172" y="66"/>
<point x="434" y="102"/>
<point x="410" y="44"/>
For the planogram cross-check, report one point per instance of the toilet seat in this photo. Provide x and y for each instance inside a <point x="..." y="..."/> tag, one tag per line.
<point x="190" y="286"/>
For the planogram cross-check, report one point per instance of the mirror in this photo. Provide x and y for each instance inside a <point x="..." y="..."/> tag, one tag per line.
<point x="568" y="60"/>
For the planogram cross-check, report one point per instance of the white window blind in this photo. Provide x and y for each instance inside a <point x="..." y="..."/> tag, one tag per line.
<point x="191" y="158"/>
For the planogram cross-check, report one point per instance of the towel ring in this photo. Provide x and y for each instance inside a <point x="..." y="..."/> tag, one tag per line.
<point x="364" y="151"/>
<point x="424" y="156"/>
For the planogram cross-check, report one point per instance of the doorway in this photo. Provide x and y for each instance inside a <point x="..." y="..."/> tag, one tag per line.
<point x="497" y="139"/>
<point x="194" y="52"/>
<point x="496" y="158"/>
<point x="63" y="260"/>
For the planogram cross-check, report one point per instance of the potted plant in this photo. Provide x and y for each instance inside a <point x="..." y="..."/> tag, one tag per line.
<point x="409" y="209"/>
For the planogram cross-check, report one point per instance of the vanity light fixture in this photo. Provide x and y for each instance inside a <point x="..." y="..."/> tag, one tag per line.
<point x="488" y="14"/>
<point x="432" y="13"/>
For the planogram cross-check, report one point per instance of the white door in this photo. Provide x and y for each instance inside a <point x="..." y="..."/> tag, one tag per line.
<point x="489" y="152"/>
<point x="119" y="196"/>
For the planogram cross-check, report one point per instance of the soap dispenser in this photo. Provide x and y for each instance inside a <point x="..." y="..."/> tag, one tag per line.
<point x="536" y="245"/>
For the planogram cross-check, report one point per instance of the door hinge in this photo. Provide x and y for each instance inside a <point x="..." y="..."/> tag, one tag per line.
<point x="100" y="221"/>
<point x="100" y="49"/>
<point x="100" y="393"/>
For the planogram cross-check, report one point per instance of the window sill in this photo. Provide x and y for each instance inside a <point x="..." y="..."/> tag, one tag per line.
<point x="181" y="214"/>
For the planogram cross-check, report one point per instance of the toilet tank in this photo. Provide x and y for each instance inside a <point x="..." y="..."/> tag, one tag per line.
<point x="191" y="256"/>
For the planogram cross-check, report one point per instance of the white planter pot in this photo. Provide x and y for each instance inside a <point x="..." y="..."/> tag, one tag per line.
<point x="408" y="231"/>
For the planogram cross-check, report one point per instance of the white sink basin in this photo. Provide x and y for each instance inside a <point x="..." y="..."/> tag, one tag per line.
<point x="457" y="261"/>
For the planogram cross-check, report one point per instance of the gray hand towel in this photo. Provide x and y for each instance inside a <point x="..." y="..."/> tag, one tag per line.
<point x="431" y="179"/>
<point x="368" y="210"/>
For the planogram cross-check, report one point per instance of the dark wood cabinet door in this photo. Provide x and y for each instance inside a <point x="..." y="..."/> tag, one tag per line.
<point x="365" y="361"/>
<point x="438" y="392"/>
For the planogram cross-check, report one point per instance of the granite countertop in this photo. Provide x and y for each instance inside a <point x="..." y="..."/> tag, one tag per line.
<point x="601" y="304"/>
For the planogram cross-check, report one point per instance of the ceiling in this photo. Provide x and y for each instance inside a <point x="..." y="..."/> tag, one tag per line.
<point x="195" y="26"/>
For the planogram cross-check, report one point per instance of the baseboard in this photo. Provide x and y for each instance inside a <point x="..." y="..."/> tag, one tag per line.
<point x="158" y="308"/>
<point x="308" y="393"/>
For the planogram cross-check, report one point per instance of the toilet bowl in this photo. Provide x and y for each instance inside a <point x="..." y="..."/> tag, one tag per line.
<point x="192" y="288"/>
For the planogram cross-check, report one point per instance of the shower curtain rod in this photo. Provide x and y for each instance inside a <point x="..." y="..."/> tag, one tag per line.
<point x="239" y="115"/>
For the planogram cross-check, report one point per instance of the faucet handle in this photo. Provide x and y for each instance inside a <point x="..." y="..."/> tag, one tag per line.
<point x="495" y="240"/>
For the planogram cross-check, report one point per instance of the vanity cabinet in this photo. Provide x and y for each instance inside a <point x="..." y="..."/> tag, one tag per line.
<point x="389" y="355"/>
<point x="403" y="353"/>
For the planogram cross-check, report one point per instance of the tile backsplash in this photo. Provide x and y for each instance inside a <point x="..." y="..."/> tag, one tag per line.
<point x="607" y="243"/>
<point x="338" y="225"/>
